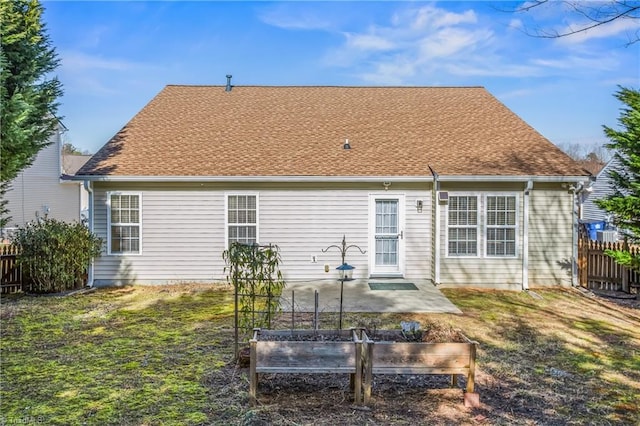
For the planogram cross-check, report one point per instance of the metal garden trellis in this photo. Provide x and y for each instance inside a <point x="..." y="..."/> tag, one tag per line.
<point x="254" y="272"/>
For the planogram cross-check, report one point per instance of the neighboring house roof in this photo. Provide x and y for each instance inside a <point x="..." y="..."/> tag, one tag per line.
<point x="300" y="131"/>
<point x="72" y="163"/>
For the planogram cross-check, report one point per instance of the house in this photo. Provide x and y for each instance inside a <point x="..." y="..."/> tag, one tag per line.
<point x="443" y="184"/>
<point x="599" y="189"/>
<point x="44" y="188"/>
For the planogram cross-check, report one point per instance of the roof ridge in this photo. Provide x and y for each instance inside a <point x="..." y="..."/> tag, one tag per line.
<point x="326" y="86"/>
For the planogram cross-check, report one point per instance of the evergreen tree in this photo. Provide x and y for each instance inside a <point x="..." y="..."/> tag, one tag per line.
<point x="28" y="91"/>
<point x="624" y="203"/>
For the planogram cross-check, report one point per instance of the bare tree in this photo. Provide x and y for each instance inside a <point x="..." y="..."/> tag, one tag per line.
<point x="592" y="14"/>
<point x="591" y="157"/>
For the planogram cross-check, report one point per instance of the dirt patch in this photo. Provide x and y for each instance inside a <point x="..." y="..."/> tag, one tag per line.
<point x="617" y="297"/>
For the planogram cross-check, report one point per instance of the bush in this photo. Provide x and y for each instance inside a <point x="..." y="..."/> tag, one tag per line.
<point x="55" y="255"/>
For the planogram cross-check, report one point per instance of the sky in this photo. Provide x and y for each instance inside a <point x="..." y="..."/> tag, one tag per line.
<point x="117" y="55"/>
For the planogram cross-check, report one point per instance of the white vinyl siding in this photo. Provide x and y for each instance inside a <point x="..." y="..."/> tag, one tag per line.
<point x="242" y="219"/>
<point x="125" y="223"/>
<point x="550" y="236"/>
<point x="38" y="191"/>
<point x="601" y="188"/>
<point x="184" y="235"/>
<point x="483" y="269"/>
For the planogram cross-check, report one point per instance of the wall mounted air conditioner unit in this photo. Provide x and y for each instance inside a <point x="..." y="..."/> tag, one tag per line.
<point x="607" y="236"/>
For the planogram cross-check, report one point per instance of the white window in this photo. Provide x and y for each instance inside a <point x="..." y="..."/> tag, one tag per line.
<point x="124" y="219"/>
<point x="501" y="225"/>
<point x="463" y="226"/>
<point x="242" y="219"/>
<point x="487" y="223"/>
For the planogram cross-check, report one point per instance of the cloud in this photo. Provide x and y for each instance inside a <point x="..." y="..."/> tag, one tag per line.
<point x="417" y="43"/>
<point x="573" y="62"/>
<point x="78" y="61"/>
<point x="516" y="24"/>
<point x="450" y="41"/>
<point x="432" y="17"/>
<point x="368" y="42"/>
<point x="298" y="19"/>
<point x="614" y="28"/>
<point x="102" y="76"/>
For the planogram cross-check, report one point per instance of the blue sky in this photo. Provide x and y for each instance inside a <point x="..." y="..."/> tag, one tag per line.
<point x="116" y="56"/>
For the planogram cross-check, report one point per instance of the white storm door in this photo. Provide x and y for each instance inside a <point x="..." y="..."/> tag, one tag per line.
<point x="386" y="230"/>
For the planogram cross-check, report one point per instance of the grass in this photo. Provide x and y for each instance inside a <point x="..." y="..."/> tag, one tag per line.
<point x="162" y="356"/>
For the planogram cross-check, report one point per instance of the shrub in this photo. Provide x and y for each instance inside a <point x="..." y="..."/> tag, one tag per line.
<point x="55" y="255"/>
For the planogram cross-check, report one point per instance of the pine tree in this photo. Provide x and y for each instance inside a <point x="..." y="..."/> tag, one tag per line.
<point x="28" y="91"/>
<point x="624" y="203"/>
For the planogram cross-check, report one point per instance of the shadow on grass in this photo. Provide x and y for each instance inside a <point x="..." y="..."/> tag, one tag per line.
<point x="557" y="361"/>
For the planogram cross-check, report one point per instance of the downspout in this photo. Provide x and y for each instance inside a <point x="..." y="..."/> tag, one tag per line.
<point x="575" y="216"/>
<point x="525" y="235"/>
<point x="89" y="189"/>
<point x="436" y="227"/>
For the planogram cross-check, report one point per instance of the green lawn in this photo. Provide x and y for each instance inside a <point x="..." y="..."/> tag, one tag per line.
<point x="162" y="356"/>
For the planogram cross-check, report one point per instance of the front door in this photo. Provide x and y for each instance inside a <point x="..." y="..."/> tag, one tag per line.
<point x="387" y="235"/>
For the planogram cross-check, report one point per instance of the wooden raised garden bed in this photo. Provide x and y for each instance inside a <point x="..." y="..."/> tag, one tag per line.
<point x="386" y="356"/>
<point x="306" y="352"/>
<point x="353" y="352"/>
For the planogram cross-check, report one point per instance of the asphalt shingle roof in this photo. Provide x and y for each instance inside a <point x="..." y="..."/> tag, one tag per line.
<point x="300" y="131"/>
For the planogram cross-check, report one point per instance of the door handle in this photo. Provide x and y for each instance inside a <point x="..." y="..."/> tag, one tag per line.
<point x="401" y="235"/>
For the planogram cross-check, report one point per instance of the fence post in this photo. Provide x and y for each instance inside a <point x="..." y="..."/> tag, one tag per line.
<point x="583" y="251"/>
<point x="625" y="270"/>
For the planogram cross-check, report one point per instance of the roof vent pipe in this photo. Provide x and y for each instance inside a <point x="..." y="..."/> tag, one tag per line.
<point x="346" y="144"/>
<point x="228" y="88"/>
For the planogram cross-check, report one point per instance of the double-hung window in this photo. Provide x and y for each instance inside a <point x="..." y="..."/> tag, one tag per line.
<point x="463" y="226"/>
<point x="482" y="225"/>
<point x="242" y="219"/>
<point x="124" y="222"/>
<point x="501" y="225"/>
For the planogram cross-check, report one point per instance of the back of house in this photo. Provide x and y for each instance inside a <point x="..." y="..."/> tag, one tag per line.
<point x="442" y="184"/>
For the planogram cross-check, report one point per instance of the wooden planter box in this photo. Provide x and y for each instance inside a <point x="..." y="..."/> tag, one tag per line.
<point x="387" y="357"/>
<point x="294" y="351"/>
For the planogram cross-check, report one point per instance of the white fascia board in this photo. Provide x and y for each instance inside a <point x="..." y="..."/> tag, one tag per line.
<point x="393" y="179"/>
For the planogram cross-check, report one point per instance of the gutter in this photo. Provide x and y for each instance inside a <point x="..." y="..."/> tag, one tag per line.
<point x="89" y="189"/>
<point x="325" y="179"/>
<point x="524" y="179"/>
<point x="272" y="179"/>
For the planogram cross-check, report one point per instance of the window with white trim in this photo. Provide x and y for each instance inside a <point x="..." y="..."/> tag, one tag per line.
<point x="501" y="225"/>
<point x="242" y="219"/>
<point x="124" y="220"/>
<point x="463" y="226"/>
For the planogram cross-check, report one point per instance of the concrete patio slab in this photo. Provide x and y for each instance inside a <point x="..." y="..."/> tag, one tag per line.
<point x="358" y="297"/>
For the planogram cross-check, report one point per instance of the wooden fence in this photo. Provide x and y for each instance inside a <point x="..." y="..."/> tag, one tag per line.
<point x="10" y="273"/>
<point x="598" y="271"/>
